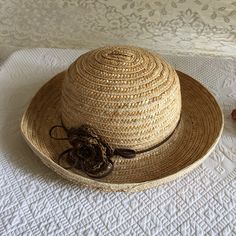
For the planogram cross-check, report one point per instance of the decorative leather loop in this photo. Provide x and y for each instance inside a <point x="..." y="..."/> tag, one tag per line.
<point x="90" y="153"/>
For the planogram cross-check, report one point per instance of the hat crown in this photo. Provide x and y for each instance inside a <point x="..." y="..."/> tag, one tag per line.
<point x="129" y="95"/>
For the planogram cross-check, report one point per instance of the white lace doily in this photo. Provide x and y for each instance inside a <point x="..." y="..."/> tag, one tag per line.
<point x="35" y="201"/>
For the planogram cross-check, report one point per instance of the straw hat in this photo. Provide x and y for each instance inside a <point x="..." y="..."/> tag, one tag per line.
<point x="122" y="119"/>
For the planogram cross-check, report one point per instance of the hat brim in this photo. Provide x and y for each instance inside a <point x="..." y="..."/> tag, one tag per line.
<point x="195" y="137"/>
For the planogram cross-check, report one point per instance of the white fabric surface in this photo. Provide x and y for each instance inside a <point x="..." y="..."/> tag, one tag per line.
<point x="35" y="201"/>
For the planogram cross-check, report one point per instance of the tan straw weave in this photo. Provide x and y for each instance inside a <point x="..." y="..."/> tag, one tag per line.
<point x="132" y="98"/>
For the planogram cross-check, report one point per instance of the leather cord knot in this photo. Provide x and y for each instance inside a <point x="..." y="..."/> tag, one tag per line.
<point x="89" y="153"/>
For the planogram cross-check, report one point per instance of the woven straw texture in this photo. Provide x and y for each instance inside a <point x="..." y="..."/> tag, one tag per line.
<point x="197" y="134"/>
<point x="130" y="96"/>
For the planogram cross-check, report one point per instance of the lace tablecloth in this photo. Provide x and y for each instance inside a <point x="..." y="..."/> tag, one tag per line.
<point x="35" y="201"/>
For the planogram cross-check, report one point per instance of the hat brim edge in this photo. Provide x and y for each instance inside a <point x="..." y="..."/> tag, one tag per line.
<point x="117" y="187"/>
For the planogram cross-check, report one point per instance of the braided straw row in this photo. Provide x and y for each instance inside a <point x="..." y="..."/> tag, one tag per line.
<point x="130" y="96"/>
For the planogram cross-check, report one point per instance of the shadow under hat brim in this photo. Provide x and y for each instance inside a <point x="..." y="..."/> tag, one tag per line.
<point x="195" y="137"/>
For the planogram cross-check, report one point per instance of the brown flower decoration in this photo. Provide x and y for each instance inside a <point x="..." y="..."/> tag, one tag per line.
<point x="89" y="152"/>
<point x="92" y="152"/>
